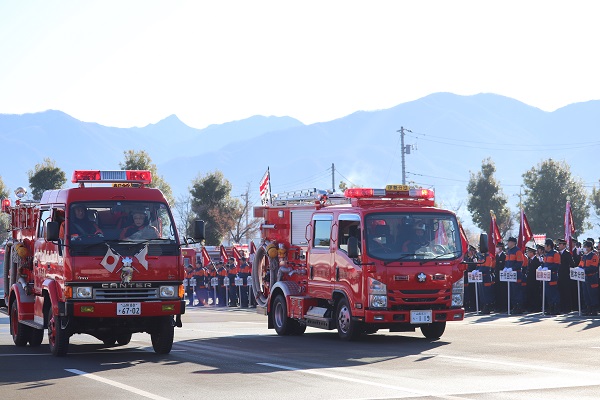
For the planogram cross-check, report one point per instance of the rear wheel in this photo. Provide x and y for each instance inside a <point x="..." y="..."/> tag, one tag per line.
<point x="109" y="340"/>
<point x="282" y="324"/>
<point x="124" y="338"/>
<point x="20" y="332"/>
<point x="36" y="336"/>
<point x="348" y="329"/>
<point x="58" y="337"/>
<point x="162" y="337"/>
<point x="434" y="330"/>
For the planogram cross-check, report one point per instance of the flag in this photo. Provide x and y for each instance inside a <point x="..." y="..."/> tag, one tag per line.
<point x="494" y="236"/>
<point x="236" y="256"/>
<point x="141" y="257"/>
<point x="110" y="260"/>
<point x="223" y="253"/>
<point x="440" y="234"/>
<point x="569" y="225"/>
<point x="265" y="189"/>
<point x="205" y="257"/>
<point x="252" y="248"/>
<point x="525" y="233"/>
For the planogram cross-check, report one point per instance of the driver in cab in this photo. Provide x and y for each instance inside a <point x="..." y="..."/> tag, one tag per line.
<point x="79" y="224"/>
<point x="418" y="239"/>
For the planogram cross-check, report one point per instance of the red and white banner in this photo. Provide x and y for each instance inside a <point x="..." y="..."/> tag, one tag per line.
<point x="205" y="257"/>
<point x="569" y="225"/>
<point x="525" y="233"/>
<point x="265" y="189"/>
<point x="494" y="236"/>
<point x="223" y="253"/>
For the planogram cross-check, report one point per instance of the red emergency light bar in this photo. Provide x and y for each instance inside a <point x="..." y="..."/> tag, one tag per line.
<point x="5" y="205"/>
<point x="390" y="192"/>
<point x="134" y="176"/>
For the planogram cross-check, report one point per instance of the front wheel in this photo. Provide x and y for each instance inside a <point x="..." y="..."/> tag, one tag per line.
<point x="58" y="337"/>
<point x="124" y="338"/>
<point x="20" y="332"/>
<point x="348" y="329"/>
<point x="282" y="324"/>
<point x="36" y="336"/>
<point x="162" y="337"/>
<point x="434" y="330"/>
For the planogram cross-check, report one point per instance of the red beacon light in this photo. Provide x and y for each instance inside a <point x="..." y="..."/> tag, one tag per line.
<point x="143" y="177"/>
<point x="392" y="192"/>
<point x="5" y="205"/>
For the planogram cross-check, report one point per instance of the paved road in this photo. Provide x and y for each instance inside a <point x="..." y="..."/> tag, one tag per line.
<point x="229" y="354"/>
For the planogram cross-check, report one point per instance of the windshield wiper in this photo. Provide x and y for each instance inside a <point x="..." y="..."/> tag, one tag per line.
<point x="399" y="258"/>
<point x="438" y="256"/>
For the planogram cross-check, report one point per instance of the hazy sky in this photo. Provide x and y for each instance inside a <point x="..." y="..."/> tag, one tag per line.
<point x="130" y="63"/>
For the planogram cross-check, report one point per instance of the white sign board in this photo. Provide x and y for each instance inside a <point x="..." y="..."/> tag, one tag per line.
<point x="577" y="274"/>
<point x="475" y="276"/>
<point x="186" y="283"/>
<point x="214" y="282"/>
<point x="226" y="281"/>
<point x="239" y="281"/>
<point x="249" y="280"/>
<point x="508" y="275"/>
<point x="543" y="275"/>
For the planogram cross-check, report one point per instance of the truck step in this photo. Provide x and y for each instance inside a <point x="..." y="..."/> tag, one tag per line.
<point x="33" y="324"/>
<point x="318" y="322"/>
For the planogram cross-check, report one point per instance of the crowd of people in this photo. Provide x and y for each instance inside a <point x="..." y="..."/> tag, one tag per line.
<point x="224" y="292"/>
<point x="527" y="293"/>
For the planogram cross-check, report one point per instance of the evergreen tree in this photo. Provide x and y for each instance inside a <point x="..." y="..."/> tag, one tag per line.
<point x="45" y="176"/>
<point x="140" y="160"/>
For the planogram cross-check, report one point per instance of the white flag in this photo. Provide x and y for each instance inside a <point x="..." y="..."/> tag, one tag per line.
<point x="141" y="257"/>
<point x="110" y="260"/>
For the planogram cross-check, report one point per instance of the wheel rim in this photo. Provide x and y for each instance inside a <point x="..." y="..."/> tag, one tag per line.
<point x="278" y="315"/>
<point x="52" y="331"/>
<point x="344" y="319"/>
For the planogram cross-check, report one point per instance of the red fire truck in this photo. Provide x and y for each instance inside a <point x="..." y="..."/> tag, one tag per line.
<point x="103" y="258"/>
<point x="367" y="260"/>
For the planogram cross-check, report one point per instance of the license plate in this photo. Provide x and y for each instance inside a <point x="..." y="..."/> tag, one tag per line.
<point x="420" y="317"/>
<point x="129" y="308"/>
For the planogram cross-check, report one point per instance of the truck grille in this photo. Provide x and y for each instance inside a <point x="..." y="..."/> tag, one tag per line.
<point x="126" y="294"/>
<point x="416" y="299"/>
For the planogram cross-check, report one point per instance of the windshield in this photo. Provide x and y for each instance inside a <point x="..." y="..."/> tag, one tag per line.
<point x="89" y="222"/>
<point x="412" y="236"/>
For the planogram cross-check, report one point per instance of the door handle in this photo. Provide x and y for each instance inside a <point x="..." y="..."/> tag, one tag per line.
<point x="311" y="272"/>
<point x="337" y="273"/>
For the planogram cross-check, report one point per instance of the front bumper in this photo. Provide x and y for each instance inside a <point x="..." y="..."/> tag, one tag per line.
<point x="90" y="309"/>
<point x="391" y="317"/>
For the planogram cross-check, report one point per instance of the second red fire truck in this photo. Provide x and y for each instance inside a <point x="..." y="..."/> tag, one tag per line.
<point x="368" y="260"/>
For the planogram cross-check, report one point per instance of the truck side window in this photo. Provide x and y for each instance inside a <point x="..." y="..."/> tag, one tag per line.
<point x="322" y="231"/>
<point x="44" y="215"/>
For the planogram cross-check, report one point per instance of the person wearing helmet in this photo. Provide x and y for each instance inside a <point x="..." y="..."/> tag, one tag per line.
<point x="140" y="229"/>
<point x="418" y="240"/>
<point x="79" y="224"/>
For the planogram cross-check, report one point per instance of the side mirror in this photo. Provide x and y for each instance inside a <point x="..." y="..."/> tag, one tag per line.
<point x="483" y="243"/>
<point x="52" y="231"/>
<point x="199" y="230"/>
<point x="352" y="247"/>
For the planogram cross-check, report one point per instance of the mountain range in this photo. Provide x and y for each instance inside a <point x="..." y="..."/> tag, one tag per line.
<point x="449" y="135"/>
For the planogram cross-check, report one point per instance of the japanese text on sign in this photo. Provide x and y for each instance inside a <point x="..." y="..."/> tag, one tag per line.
<point x="577" y="274"/>
<point x="475" y="276"/>
<point x="508" y="276"/>
<point x="543" y="275"/>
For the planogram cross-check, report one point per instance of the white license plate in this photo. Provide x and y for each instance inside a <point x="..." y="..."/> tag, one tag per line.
<point x="420" y="317"/>
<point x="129" y="308"/>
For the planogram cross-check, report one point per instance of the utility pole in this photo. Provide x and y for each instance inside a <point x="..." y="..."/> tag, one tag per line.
<point x="245" y="196"/>
<point x="404" y="150"/>
<point x="332" y="177"/>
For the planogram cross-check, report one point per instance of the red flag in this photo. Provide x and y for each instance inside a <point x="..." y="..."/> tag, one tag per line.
<point x="265" y="189"/>
<point x="252" y="248"/>
<point x="569" y="225"/>
<point x="494" y="236"/>
<point x="237" y="256"/>
<point x="525" y="233"/>
<point x="223" y="253"/>
<point x="205" y="257"/>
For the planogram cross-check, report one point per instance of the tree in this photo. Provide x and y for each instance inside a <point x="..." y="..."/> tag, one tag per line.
<point x="141" y="160"/>
<point x="342" y="186"/>
<point x="4" y="219"/>
<point x="244" y="226"/>
<point x="211" y="201"/>
<point x="485" y="194"/>
<point x="595" y="198"/>
<point x="45" y="176"/>
<point x="185" y="215"/>
<point x="548" y="186"/>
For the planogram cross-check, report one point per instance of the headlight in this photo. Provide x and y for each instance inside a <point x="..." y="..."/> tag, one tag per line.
<point x="167" y="291"/>
<point x="458" y="293"/>
<point x="83" y="292"/>
<point x="377" y="294"/>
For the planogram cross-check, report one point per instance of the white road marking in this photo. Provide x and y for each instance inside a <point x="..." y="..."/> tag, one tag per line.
<point x="116" y="384"/>
<point x="410" y="392"/>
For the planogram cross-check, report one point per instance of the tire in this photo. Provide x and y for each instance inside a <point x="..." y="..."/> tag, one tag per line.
<point x="109" y="340"/>
<point x="298" y="328"/>
<point x="434" y="330"/>
<point x="347" y="328"/>
<point x="58" y="338"/>
<point x="370" y="329"/>
<point x="282" y="324"/>
<point x="162" y="337"/>
<point x="20" y="332"/>
<point x="259" y="291"/>
<point x="36" y="336"/>
<point x="124" y="338"/>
